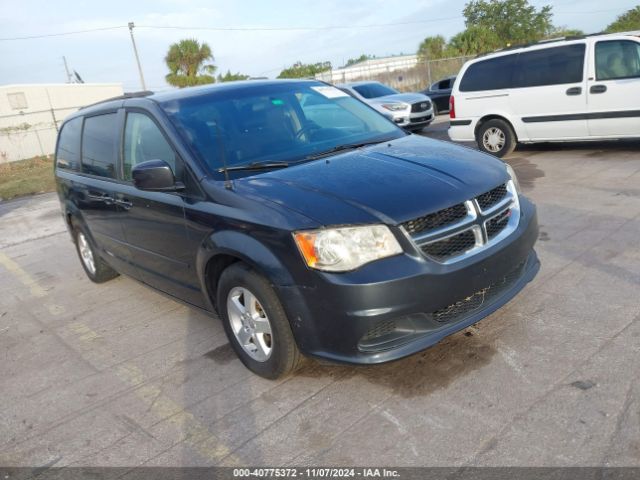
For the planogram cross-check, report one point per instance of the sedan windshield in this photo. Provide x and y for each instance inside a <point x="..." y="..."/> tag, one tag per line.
<point x="374" y="90"/>
<point x="274" y="125"/>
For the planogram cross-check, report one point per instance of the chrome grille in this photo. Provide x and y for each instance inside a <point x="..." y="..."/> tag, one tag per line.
<point x="421" y="106"/>
<point x="455" y="232"/>
<point x="439" y="219"/>
<point x="498" y="223"/>
<point x="451" y="246"/>
<point x="490" y="198"/>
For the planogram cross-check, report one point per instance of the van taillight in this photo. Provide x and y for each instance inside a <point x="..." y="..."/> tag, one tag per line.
<point x="452" y="107"/>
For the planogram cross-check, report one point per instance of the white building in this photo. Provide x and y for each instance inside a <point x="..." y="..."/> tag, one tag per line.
<point x="31" y="114"/>
<point x="369" y="69"/>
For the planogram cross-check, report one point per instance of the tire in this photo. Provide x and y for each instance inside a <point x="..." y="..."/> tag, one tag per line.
<point x="496" y="137"/>
<point x="94" y="266"/>
<point x="256" y="324"/>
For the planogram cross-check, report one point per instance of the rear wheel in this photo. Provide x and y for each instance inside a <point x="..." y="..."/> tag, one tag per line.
<point x="94" y="266"/>
<point x="496" y="137"/>
<point x="255" y="323"/>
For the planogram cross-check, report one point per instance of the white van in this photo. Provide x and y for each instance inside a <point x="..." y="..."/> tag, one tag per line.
<point x="564" y="90"/>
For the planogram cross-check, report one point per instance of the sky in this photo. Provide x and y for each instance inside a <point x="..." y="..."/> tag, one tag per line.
<point x="107" y="56"/>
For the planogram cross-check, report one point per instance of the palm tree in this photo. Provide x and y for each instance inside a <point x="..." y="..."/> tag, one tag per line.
<point x="186" y="61"/>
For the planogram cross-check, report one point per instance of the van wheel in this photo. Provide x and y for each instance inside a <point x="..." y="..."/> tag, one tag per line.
<point x="256" y="324"/>
<point x="94" y="266"/>
<point x="496" y="137"/>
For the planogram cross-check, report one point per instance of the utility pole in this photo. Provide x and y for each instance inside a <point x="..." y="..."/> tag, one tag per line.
<point x="135" y="52"/>
<point x="66" y="68"/>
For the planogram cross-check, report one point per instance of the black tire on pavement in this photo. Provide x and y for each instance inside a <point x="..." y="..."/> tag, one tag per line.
<point x="238" y="287"/>
<point x="496" y="137"/>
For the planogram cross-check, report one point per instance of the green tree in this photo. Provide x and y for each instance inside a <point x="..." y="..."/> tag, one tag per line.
<point x="361" y="58"/>
<point x="432" y="48"/>
<point x="187" y="62"/>
<point x="558" y="32"/>
<point x="472" y="41"/>
<point x="511" y="21"/>
<point x="303" y="70"/>
<point x="231" y="77"/>
<point x="626" y="22"/>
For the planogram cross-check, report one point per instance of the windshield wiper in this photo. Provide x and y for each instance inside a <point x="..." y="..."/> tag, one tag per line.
<point x="342" y="148"/>
<point x="256" y="166"/>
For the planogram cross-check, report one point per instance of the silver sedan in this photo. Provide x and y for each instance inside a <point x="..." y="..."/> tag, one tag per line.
<point x="412" y="111"/>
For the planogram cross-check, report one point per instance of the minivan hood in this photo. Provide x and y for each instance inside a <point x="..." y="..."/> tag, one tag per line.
<point x="400" y="97"/>
<point x="390" y="182"/>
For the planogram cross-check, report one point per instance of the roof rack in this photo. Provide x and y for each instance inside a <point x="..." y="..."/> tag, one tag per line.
<point x="547" y="40"/>
<point x="141" y="93"/>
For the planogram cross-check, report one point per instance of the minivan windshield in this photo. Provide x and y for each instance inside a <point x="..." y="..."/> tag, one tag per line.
<point x="374" y="90"/>
<point x="274" y="125"/>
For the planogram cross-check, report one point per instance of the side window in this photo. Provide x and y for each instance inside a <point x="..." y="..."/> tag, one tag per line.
<point x="491" y="74"/>
<point x="99" y="140"/>
<point x="616" y="59"/>
<point x="144" y="141"/>
<point x="68" y="152"/>
<point x="445" y="84"/>
<point x="550" y="66"/>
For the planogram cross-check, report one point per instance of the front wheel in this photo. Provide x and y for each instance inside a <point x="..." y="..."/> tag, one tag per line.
<point x="256" y="324"/>
<point x="496" y="137"/>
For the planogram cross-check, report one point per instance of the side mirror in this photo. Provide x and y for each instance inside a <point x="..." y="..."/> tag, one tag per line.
<point x="155" y="176"/>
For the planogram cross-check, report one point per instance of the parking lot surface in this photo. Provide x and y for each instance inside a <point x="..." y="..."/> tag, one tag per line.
<point x="118" y="375"/>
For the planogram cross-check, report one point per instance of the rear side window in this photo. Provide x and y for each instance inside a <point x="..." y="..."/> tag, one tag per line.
<point x="616" y="59"/>
<point x="550" y="66"/>
<point x="445" y="84"/>
<point x="68" y="152"/>
<point x="99" y="142"/>
<point x="491" y="74"/>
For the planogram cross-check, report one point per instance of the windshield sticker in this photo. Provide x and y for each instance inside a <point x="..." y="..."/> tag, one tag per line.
<point x="330" y="92"/>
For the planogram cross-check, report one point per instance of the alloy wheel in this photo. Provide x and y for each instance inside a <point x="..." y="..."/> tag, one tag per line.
<point x="86" y="254"/>
<point x="250" y="324"/>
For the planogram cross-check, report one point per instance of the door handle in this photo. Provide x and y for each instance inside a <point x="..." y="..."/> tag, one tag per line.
<point x="124" y="203"/>
<point x="574" y="91"/>
<point x="598" y="89"/>
<point x="102" y="197"/>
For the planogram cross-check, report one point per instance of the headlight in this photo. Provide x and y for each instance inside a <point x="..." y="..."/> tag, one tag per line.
<point x="394" y="107"/>
<point x="513" y="176"/>
<point x="347" y="248"/>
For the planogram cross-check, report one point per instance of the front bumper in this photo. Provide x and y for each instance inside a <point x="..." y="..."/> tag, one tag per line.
<point x="411" y="120"/>
<point x="395" y="307"/>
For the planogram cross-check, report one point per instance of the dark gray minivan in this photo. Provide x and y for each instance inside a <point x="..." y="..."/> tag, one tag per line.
<point x="309" y="222"/>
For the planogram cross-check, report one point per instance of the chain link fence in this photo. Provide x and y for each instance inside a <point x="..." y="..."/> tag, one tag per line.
<point x="407" y="73"/>
<point x="30" y="115"/>
<point x="29" y="134"/>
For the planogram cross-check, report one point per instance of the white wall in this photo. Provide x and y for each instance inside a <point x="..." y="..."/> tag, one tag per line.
<point x="368" y="69"/>
<point x="28" y="128"/>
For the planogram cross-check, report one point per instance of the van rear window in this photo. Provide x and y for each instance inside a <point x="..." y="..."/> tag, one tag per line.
<point x="550" y="66"/>
<point x="491" y="74"/>
<point x="68" y="152"/>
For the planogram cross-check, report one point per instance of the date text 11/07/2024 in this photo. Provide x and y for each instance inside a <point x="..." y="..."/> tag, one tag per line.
<point x="315" y="473"/>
